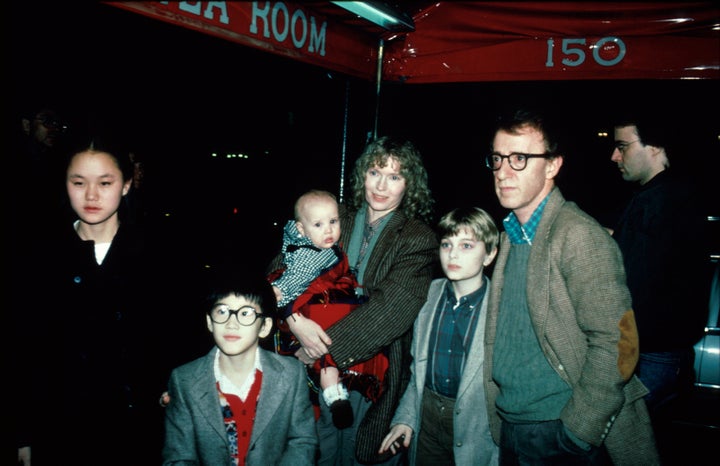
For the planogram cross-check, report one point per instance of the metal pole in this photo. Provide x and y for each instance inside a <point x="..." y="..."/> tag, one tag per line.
<point x="341" y="195"/>
<point x="378" y="82"/>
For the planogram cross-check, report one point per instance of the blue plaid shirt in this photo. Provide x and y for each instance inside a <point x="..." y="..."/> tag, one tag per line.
<point x="452" y="330"/>
<point x="520" y="234"/>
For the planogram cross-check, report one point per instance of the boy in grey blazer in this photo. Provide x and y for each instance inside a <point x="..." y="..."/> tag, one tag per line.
<point x="240" y="404"/>
<point x="440" y="416"/>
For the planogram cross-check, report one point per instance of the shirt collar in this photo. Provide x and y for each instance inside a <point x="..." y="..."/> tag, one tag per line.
<point x="524" y="234"/>
<point x="227" y="386"/>
<point x="473" y="299"/>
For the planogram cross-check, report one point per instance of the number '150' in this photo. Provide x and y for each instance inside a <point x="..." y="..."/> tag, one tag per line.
<point x="574" y="51"/>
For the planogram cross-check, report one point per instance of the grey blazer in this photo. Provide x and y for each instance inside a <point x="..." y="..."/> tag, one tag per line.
<point x="580" y="309"/>
<point x="284" y="431"/>
<point x="472" y="442"/>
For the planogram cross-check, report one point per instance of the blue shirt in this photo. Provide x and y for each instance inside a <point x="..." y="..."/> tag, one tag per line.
<point x="524" y="234"/>
<point x="450" y="339"/>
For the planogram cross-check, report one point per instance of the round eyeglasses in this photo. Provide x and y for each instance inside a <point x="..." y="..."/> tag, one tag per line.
<point x="246" y="315"/>
<point x="516" y="160"/>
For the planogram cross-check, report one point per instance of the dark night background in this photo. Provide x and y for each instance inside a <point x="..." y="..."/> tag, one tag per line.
<point x="176" y="96"/>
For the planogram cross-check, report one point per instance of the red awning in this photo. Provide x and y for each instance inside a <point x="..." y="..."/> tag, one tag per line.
<point x="283" y="28"/>
<point x="508" y="41"/>
<point x="474" y="41"/>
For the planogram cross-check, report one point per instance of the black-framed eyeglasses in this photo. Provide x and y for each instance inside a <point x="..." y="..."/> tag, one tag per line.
<point x="52" y="123"/>
<point x="622" y="145"/>
<point x="246" y="315"/>
<point x="516" y="160"/>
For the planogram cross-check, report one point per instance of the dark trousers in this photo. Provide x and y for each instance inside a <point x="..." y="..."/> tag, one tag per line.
<point x="545" y="444"/>
<point x="435" y="440"/>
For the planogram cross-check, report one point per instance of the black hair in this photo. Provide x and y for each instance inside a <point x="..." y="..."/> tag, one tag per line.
<point x="653" y="128"/>
<point x="239" y="282"/>
<point x="515" y="120"/>
<point x="116" y="148"/>
<point x="31" y="106"/>
<point x="476" y="219"/>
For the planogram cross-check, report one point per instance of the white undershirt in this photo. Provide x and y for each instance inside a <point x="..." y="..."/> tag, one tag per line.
<point x="227" y="385"/>
<point x="101" y="249"/>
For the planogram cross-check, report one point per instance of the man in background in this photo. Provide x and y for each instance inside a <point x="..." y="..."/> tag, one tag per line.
<point x="662" y="235"/>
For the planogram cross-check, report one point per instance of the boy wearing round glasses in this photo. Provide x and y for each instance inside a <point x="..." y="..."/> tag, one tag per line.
<point x="240" y="404"/>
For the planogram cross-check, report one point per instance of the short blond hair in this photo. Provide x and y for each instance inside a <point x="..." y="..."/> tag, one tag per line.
<point x="476" y="220"/>
<point x="312" y="194"/>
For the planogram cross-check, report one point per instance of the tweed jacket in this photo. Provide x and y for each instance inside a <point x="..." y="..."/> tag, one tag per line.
<point x="284" y="429"/>
<point x="580" y="309"/>
<point x="472" y="442"/>
<point x="396" y="281"/>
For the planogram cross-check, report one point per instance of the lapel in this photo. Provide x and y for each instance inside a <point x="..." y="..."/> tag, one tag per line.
<point x="385" y="242"/>
<point x="473" y="371"/>
<point x="204" y="393"/>
<point x="272" y="395"/>
<point x="421" y="338"/>
<point x="496" y="286"/>
<point x="540" y="264"/>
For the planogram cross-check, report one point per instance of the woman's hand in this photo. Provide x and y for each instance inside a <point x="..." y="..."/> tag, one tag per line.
<point x="398" y="438"/>
<point x="311" y="336"/>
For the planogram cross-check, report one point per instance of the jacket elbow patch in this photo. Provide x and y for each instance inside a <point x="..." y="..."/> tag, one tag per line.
<point x="628" y="346"/>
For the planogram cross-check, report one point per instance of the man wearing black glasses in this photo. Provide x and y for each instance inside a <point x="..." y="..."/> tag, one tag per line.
<point x="662" y="235"/>
<point x="44" y="128"/>
<point x="561" y="342"/>
<point x="35" y="205"/>
<point x="39" y="158"/>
